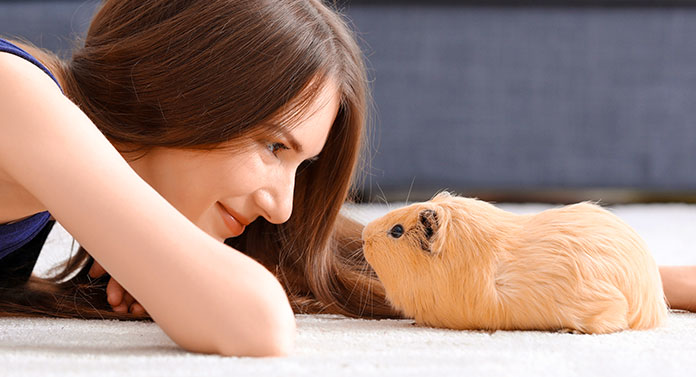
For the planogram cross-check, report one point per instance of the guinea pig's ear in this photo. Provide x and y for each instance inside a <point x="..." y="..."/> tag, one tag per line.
<point x="427" y="221"/>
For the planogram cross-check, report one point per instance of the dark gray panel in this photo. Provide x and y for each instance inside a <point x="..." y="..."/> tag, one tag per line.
<point x="532" y="97"/>
<point x="54" y="25"/>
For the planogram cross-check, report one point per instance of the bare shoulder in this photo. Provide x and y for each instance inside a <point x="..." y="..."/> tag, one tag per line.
<point x="54" y="152"/>
<point x="18" y="72"/>
<point x="20" y="79"/>
<point x="24" y="87"/>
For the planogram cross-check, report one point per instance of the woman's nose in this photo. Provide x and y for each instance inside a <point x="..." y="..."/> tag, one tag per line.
<point x="277" y="200"/>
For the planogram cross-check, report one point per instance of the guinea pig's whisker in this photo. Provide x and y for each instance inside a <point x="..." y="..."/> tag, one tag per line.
<point x="364" y="268"/>
<point x="365" y="295"/>
<point x="409" y="189"/>
<point x="363" y="298"/>
<point x="384" y="196"/>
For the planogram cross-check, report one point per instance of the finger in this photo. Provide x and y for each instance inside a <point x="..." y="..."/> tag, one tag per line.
<point x="128" y="299"/>
<point x="114" y="292"/>
<point x="96" y="270"/>
<point x="120" y="308"/>
<point x="137" y="309"/>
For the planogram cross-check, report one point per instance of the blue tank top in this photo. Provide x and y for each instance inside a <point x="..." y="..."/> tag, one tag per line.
<point x="14" y="236"/>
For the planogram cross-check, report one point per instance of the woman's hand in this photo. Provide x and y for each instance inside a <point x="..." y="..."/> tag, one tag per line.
<point x="120" y="300"/>
<point x="679" y="284"/>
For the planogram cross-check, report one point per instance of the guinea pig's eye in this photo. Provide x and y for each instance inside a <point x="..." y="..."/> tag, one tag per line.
<point x="396" y="231"/>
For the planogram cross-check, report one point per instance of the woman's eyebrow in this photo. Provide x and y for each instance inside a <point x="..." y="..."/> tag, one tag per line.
<point x="292" y="141"/>
<point x="294" y="144"/>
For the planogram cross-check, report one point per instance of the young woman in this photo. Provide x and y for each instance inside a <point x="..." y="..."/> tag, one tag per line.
<point x="177" y="126"/>
<point x="181" y="124"/>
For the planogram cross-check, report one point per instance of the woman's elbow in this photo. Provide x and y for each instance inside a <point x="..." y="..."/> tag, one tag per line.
<point x="277" y="339"/>
<point x="266" y="328"/>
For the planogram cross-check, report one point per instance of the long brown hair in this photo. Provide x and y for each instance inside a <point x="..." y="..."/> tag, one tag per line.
<point x="203" y="74"/>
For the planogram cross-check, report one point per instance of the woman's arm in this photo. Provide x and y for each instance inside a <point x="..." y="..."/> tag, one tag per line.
<point x="205" y="295"/>
<point x="679" y="284"/>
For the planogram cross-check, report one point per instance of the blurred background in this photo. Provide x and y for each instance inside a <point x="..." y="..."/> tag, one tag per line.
<point x="545" y="101"/>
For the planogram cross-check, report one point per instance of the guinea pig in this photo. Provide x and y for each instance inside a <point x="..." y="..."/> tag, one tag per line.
<point x="462" y="263"/>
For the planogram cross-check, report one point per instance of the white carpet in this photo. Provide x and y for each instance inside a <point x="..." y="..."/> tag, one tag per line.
<point x="330" y="345"/>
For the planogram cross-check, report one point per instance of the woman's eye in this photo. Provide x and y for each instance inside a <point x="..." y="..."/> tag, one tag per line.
<point x="275" y="147"/>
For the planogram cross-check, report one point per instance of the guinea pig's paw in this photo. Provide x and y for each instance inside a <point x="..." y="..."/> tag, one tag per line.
<point x="422" y="325"/>
<point x="569" y="331"/>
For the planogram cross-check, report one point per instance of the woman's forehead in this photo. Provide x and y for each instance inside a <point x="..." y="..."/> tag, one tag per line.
<point x="313" y="131"/>
<point x="316" y="97"/>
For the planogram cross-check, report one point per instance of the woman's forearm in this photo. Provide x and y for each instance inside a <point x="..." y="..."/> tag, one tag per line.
<point x="217" y="300"/>
<point x="679" y="284"/>
<point x="205" y="295"/>
<point x="233" y="299"/>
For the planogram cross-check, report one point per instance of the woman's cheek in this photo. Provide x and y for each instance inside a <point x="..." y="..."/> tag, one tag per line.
<point x="253" y="173"/>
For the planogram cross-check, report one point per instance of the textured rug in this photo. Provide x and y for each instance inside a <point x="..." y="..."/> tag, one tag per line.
<point x="330" y="345"/>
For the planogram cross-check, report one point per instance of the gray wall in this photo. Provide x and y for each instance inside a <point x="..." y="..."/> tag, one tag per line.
<point x="50" y="24"/>
<point x="532" y="98"/>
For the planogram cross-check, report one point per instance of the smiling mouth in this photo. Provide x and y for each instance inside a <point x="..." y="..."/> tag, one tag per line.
<point x="233" y="224"/>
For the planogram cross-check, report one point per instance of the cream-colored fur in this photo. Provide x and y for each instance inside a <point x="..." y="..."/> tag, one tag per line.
<point x="463" y="263"/>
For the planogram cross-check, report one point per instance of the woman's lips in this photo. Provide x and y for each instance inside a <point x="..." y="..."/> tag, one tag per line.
<point x="234" y="225"/>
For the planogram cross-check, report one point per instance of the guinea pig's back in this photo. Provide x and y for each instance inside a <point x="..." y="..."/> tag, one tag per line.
<point x="585" y="246"/>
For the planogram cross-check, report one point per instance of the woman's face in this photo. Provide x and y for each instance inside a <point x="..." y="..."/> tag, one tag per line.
<point x="258" y="181"/>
